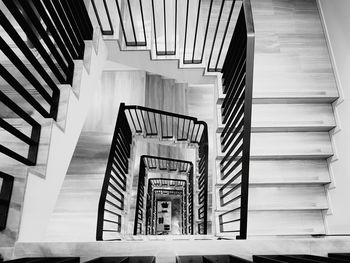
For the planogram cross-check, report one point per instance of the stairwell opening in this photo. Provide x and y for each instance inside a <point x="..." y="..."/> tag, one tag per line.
<point x="134" y="207"/>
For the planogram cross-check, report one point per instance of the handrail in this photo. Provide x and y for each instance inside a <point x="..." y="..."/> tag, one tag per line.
<point x="194" y="47"/>
<point x="166" y="125"/>
<point x="56" y="32"/>
<point x="135" y="120"/>
<point x="163" y="163"/>
<point x="148" y="162"/>
<point x="236" y="116"/>
<point x="111" y="203"/>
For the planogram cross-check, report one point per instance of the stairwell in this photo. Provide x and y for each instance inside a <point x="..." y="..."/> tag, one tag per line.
<point x="291" y="146"/>
<point x="86" y="170"/>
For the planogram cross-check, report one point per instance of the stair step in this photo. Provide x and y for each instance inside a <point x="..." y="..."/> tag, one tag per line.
<point x="310" y="88"/>
<point x="279" y="197"/>
<point x="281" y="145"/>
<point x="271" y="223"/>
<point x="91" y="153"/>
<point x="289" y="117"/>
<point x="285" y="171"/>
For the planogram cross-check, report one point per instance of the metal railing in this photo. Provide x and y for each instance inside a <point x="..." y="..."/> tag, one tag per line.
<point x="165" y="125"/>
<point x="5" y="198"/>
<point x="48" y="36"/>
<point x="155" y="163"/>
<point x="176" y="27"/>
<point x="111" y="204"/>
<point x="236" y="116"/>
<point x="150" y="123"/>
<point x="203" y="156"/>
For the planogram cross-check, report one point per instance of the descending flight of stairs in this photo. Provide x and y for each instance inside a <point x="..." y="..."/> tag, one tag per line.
<point x="292" y="115"/>
<point x="56" y="136"/>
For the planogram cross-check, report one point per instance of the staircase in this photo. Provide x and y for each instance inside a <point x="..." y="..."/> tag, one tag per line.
<point x="291" y="146"/>
<point x="59" y="131"/>
<point x="292" y="115"/>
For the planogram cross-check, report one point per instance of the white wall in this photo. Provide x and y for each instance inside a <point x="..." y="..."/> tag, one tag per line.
<point x="336" y="19"/>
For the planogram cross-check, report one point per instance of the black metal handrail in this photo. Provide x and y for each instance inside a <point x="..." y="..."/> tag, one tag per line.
<point x="152" y="163"/>
<point x="167" y="125"/>
<point x="209" y="46"/>
<point x="111" y="204"/>
<point x="166" y="164"/>
<point x="236" y="116"/>
<point x="150" y="122"/>
<point x="137" y="120"/>
<point x="126" y="16"/>
<point x="56" y="31"/>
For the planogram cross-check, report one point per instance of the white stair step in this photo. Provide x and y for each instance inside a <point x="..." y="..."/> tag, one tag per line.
<point x="278" y="223"/>
<point x="284" y="171"/>
<point x="289" y="117"/>
<point x="287" y="145"/>
<point x="278" y="197"/>
<point x="316" y="88"/>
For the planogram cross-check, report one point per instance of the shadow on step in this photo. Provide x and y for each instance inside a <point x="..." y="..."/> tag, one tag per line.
<point x="210" y="259"/>
<point x="123" y="260"/>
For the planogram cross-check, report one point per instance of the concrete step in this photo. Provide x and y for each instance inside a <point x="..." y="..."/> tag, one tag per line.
<point x="281" y="145"/>
<point x="279" y="223"/>
<point x="278" y="197"/>
<point x="303" y="171"/>
<point x="289" y="117"/>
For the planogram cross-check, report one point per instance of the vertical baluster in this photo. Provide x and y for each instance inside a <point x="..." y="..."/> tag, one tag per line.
<point x="215" y="35"/>
<point x="224" y="36"/>
<point x="195" y="34"/>
<point x="186" y="24"/>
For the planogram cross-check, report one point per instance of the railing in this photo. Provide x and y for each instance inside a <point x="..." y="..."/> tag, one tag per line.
<point x="236" y="116"/>
<point x="111" y="204"/>
<point x="153" y="163"/>
<point x="6" y="183"/>
<point x="206" y="44"/>
<point x="196" y="31"/>
<point x="160" y="187"/>
<point x="203" y="183"/>
<point x="131" y="15"/>
<point x="190" y="229"/>
<point x="169" y="126"/>
<point x="48" y="36"/>
<point x="165" y="125"/>
<point x="140" y="218"/>
<point x="151" y="123"/>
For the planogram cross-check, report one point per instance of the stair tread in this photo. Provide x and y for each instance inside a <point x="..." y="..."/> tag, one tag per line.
<point x="280" y="197"/>
<point x="285" y="171"/>
<point x="289" y="116"/>
<point x="282" y="223"/>
<point x="288" y="144"/>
